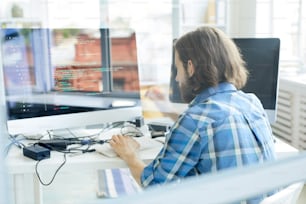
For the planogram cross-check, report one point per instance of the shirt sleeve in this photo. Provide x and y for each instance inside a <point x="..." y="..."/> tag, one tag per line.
<point x="178" y="157"/>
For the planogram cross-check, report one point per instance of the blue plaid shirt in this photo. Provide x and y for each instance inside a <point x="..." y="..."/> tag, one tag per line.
<point x="222" y="128"/>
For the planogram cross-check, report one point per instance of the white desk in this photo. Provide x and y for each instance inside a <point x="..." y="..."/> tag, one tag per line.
<point x="25" y="184"/>
<point x="27" y="189"/>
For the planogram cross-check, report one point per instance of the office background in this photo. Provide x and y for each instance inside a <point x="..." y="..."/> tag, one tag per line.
<point x="157" y="22"/>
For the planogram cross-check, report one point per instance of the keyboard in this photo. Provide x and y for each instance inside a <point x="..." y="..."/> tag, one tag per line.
<point x="145" y="143"/>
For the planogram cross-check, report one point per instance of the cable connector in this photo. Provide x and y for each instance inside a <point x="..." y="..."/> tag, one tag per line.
<point x="138" y="121"/>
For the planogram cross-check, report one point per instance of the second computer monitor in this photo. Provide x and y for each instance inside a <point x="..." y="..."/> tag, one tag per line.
<point x="262" y="59"/>
<point x="59" y="78"/>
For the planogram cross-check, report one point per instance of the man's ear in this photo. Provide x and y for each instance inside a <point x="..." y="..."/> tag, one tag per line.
<point x="190" y="68"/>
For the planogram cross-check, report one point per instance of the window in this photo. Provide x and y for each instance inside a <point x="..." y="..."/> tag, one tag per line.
<point x="152" y="21"/>
<point x="285" y="19"/>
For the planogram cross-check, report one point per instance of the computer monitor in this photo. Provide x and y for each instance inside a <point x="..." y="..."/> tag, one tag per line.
<point x="262" y="58"/>
<point x="68" y="78"/>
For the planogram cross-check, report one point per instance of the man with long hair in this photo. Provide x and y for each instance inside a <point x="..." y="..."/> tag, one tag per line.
<point x="222" y="128"/>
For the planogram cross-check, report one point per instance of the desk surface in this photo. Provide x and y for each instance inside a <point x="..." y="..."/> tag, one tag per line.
<point x="25" y="187"/>
<point x="81" y="167"/>
<point x="18" y="164"/>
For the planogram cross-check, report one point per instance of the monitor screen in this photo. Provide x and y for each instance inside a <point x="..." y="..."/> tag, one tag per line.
<point x="262" y="58"/>
<point x="58" y="78"/>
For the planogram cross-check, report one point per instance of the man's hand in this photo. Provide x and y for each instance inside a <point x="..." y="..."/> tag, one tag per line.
<point x="125" y="146"/>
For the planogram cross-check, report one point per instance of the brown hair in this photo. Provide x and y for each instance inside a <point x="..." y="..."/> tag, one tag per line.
<point x="215" y="57"/>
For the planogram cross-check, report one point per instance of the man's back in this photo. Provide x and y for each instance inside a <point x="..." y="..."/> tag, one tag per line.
<point x="232" y="127"/>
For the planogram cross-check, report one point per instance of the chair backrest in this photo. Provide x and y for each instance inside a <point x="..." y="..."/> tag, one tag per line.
<point x="288" y="195"/>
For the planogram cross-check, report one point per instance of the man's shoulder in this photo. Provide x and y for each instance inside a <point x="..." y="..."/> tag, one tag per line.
<point x="207" y="111"/>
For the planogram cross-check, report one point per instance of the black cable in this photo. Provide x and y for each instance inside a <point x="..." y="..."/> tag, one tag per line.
<point x="57" y="170"/>
<point x="65" y="159"/>
<point x="88" y="143"/>
<point x="49" y="134"/>
<point x="79" y="149"/>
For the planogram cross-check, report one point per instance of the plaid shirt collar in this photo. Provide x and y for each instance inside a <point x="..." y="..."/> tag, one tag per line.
<point x="220" y="88"/>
